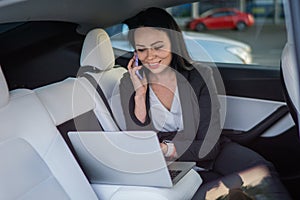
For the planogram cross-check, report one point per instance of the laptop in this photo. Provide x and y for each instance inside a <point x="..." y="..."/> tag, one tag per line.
<point x="126" y="158"/>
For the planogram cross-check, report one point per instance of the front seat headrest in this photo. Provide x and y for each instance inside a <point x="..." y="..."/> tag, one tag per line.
<point x="97" y="50"/>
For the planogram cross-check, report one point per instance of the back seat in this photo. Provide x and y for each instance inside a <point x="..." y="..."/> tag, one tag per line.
<point x="70" y="106"/>
<point x="35" y="161"/>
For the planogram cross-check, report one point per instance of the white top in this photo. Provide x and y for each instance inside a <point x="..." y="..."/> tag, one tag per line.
<point x="162" y="118"/>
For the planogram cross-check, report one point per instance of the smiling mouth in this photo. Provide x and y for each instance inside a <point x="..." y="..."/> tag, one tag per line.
<point x="154" y="65"/>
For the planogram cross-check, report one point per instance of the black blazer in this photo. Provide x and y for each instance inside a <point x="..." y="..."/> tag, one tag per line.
<point x="199" y="141"/>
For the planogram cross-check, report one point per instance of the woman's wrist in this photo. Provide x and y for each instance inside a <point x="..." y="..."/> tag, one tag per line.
<point x="140" y="93"/>
<point x="140" y="97"/>
<point x="164" y="148"/>
<point x="140" y="108"/>
<point x="169" y="150"/>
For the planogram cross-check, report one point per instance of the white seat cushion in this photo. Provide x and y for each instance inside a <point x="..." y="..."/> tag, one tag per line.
<point x="27" y="131"/>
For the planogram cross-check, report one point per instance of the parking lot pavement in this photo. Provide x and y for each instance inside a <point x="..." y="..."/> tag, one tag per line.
<point x="266" y="40"/>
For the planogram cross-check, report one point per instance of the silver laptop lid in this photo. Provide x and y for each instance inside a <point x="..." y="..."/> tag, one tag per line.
<point x="130" y="157"/>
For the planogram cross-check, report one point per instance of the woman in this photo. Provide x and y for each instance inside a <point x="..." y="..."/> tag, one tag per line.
<point x="169" y="93"/>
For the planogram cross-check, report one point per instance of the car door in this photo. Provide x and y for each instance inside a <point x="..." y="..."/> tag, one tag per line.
<point x="256" y="114"/>
<point x="219" y="20"/>
<point x="231" y="19"/>
<point x="255" y="105"/>
<point x="215" y="20"/>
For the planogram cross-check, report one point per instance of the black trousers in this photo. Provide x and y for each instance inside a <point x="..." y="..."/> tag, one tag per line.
<point x="235" y="159"/>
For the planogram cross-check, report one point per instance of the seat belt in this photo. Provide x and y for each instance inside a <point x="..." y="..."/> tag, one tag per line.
<point x="99" y="90"/>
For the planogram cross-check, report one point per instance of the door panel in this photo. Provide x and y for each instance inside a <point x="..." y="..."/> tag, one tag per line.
<point x="246" y="114"/>
<point x="253" y="101"/>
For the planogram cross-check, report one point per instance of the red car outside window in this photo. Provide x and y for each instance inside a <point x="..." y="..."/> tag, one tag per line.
<point x="222" y="18"/>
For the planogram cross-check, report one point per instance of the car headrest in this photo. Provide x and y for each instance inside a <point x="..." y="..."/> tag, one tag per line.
<point x="4" y="94"/>
<point x="290" y="79"/>
<point x="97" y="50"/>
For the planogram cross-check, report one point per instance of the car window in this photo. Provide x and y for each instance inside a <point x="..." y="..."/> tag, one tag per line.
<point x="265" y="38"/>
<point x="118" y="36"/>
<point x="219" y="14"/>
<point x="231" y="13"/>
<point x="258" y="44"/>
<point x="117" y="29"/>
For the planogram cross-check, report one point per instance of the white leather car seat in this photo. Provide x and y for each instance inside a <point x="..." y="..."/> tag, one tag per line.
<point x="35" y="161"/>
<point x="97" y="52"/>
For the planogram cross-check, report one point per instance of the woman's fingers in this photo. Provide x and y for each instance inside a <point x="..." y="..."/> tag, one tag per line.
<point x="139" y="84"/>
<point x="129" y="65"/>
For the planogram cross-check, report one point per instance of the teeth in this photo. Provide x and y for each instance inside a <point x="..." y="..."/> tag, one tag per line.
<point x="153" y="64"/>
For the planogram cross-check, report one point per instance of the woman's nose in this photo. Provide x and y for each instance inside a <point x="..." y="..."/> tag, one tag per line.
<point x="150" y="53"/>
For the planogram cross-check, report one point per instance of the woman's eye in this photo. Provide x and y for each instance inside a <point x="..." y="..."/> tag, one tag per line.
<point x="158" y="47"/>
<point x="141" y="50"/>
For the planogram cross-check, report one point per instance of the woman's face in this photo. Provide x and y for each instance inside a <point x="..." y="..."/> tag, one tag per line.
<point x="153" y="47"/>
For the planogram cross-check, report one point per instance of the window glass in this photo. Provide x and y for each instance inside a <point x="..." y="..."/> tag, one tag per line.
<point x="219" y="14"/>
<point x="258" y="42"/>
<point x="118" y="36"/>
<point x="229" y="13"/>
<point x="254" y="37"/>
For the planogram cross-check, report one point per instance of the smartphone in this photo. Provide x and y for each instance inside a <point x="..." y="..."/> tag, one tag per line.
<point x="139" y="73"/>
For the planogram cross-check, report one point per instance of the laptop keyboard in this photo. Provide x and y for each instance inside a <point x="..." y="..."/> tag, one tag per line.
<point x="174" y="173"/>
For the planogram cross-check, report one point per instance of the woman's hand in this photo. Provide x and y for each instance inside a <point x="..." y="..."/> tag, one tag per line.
<point x="169" y="150"/>
<point x="140" y="85"/>
<point x="164" y="148"/>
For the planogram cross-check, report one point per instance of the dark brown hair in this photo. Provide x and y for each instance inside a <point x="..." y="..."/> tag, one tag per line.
<point x="160" y="19"/>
